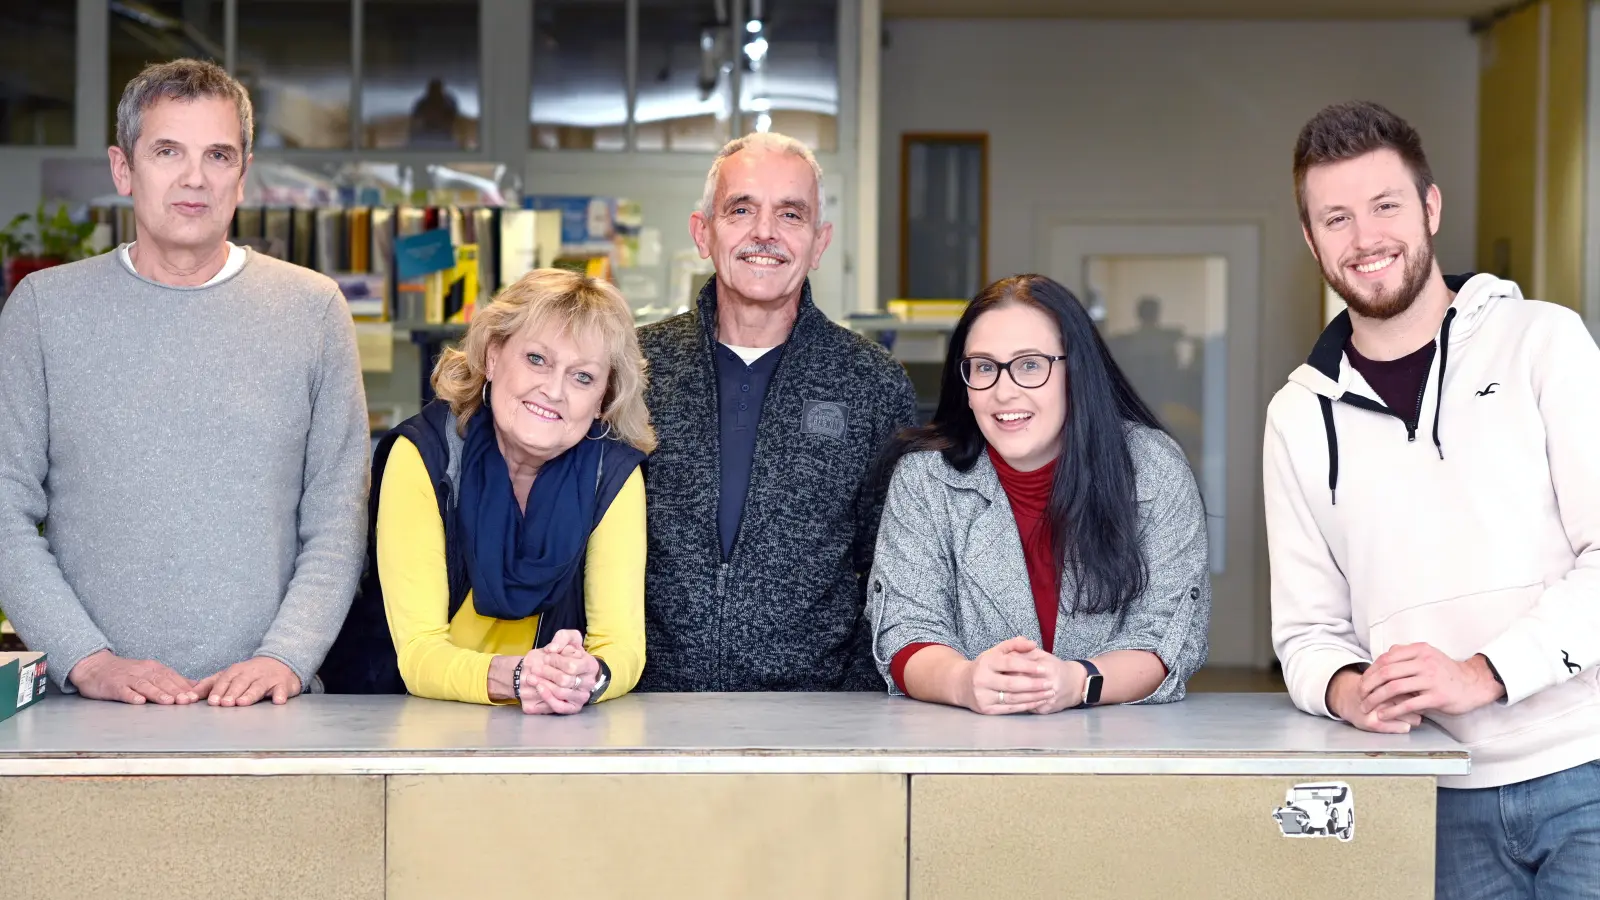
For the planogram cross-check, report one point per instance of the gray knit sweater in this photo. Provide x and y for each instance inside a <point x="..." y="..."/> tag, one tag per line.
<point x="786" y="611"/>
<point x="199" y="456"/>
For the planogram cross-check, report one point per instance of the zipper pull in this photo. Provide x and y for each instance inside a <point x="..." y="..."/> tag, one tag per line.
<point x="1411" y="433"/>
<point x="722" y="579"/>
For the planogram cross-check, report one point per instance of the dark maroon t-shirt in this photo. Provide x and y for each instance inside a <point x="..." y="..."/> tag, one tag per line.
<point x="1398" y="382"/>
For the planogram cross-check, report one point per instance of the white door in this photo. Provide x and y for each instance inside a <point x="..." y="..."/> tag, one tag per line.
<point x="1178" y="303"/>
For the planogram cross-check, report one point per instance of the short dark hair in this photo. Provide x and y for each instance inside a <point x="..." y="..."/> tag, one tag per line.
<point x="1349" y="130"/>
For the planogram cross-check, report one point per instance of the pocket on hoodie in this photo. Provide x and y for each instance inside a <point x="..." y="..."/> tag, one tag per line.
<point x="1461" y="626"/>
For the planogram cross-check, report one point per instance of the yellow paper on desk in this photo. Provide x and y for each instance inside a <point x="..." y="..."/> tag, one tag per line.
<point x="22" y="681"/>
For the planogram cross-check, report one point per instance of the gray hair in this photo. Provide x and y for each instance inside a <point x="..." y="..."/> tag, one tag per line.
<point x="762" y="140"/>
<point x="180" y="79"/>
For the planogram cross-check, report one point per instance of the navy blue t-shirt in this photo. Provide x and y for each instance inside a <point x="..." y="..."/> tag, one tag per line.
<point x="740" y="392"/>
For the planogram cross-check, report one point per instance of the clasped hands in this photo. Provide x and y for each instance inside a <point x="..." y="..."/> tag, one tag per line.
<point x="1408" y="681"/>
<point x="559" y="677"/>
<point x="106" y="676"/>
<point x="1017" y="675"/>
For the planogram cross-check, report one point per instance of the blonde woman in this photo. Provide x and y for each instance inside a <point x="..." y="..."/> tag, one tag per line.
<point x="509" y="519"/>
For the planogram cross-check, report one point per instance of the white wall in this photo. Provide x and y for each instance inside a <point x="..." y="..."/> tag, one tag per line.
<point x="1120" y="117"/>
<point x="1182" y="118"/>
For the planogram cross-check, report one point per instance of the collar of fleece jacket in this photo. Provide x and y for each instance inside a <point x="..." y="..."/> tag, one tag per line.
<point x="807" y="322"/>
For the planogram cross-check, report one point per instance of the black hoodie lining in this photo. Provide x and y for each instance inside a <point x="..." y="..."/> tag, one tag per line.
<point x="1327" y="355"/>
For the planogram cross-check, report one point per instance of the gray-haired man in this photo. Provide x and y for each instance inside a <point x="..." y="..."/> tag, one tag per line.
<point x="188" y="419"/>
<point x="762" y="508"/>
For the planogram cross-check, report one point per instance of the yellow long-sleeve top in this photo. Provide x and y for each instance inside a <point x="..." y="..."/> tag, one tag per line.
<point x="449" y="660"/>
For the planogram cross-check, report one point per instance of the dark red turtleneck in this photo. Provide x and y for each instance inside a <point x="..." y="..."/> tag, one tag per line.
<point x="1029" y="494"/>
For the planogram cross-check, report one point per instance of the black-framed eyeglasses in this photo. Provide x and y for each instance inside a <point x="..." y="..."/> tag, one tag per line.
<point x="1029" y="371"/>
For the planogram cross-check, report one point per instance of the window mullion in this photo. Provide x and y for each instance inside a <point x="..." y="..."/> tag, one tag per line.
<point x="357" y="43"/>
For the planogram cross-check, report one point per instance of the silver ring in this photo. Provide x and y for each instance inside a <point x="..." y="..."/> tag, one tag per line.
<point x="576" y="681"/>
<point x="1002" y="696"/>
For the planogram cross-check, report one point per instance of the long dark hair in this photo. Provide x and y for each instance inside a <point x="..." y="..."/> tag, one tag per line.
<point x="1093" y="507"/>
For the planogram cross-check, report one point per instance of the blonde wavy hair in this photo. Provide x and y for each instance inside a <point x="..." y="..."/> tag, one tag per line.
<point x="576" y="305"/>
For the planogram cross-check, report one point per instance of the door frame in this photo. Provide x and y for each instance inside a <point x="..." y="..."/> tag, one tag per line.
<point x="1241" y="607"/>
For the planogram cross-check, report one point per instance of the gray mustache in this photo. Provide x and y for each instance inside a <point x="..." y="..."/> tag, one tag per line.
<point x="773" y="250"/>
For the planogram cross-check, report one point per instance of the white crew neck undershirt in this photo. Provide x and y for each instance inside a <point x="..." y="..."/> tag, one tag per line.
<point x="749" y="354"/>
<point x="236" y="256"/>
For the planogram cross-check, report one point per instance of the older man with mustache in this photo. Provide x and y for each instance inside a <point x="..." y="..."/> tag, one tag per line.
<point x="762" y="506"/>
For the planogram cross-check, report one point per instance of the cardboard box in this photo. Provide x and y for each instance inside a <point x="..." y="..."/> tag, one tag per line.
<point x="22" y="681"/>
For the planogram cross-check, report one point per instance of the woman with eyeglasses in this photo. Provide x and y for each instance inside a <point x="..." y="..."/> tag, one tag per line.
<point x="1043" y="542"/>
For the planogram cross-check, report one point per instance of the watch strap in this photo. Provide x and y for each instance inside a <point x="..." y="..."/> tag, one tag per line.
<point x="602" y="680"/>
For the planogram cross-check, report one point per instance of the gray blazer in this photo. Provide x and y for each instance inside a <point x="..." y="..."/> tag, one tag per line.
<point x="949" y="568"/>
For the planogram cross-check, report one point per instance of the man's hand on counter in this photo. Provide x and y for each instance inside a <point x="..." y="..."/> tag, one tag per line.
<point x="106" y="676"/>
<point x="1419" y="678"/>
<point x="1345" y="697"/>
<point x="257" y="678"/>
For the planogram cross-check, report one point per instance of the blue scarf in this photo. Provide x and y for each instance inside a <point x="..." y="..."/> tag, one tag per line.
<point x="522" y="563"/>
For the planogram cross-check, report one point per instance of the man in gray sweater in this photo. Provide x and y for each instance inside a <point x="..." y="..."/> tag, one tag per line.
<point x="187" y="419"/>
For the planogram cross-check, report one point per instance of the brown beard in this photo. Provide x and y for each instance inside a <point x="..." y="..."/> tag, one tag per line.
<point x="1381" y="304"/>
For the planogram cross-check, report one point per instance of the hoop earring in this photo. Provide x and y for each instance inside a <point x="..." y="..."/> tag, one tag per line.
<point x="485" y="392"/>
<point x="602" y="435"/>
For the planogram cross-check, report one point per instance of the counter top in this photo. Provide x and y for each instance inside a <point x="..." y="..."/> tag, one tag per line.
<point x="1205" y="734"/>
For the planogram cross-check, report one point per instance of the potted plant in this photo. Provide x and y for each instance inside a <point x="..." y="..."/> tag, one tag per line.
<point x="41" y="240"/>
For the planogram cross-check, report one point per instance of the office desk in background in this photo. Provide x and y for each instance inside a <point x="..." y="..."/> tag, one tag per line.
<point x="704" y="796"/>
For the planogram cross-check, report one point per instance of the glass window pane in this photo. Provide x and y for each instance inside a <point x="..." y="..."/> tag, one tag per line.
<point x="790" y="83"/>
<point x="944" y="215"/>
<point x="420" y="74"/>
<point x="1165" y="320"/>
<point x="38" y="75"/>
<point x="684" y="94"/>
<point x="294" y="57"/>
<point x="153" y="32"/>
<point x="580" y="74"/>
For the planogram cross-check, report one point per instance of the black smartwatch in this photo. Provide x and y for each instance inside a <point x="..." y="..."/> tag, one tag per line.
<point x="602" y="680"/>
<point x="1092" y="684"/>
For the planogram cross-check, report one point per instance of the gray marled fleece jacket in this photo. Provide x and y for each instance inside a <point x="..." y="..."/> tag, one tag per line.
<point x="785" y="612"/>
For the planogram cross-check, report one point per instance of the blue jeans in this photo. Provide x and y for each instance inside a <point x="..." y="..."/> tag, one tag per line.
<point x="1537" y="839"/>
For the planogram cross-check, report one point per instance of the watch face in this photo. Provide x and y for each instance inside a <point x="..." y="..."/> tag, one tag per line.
<point x="1092" y="695"/>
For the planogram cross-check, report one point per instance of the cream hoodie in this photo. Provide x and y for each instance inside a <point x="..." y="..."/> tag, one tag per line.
<point x="1480" y="533"/>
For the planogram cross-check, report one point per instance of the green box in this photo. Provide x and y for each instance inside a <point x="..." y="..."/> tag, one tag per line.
<point x="22" y="681"/>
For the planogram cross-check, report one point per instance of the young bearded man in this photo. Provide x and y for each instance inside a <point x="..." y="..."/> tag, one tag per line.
<point x="1432" y="494"/>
